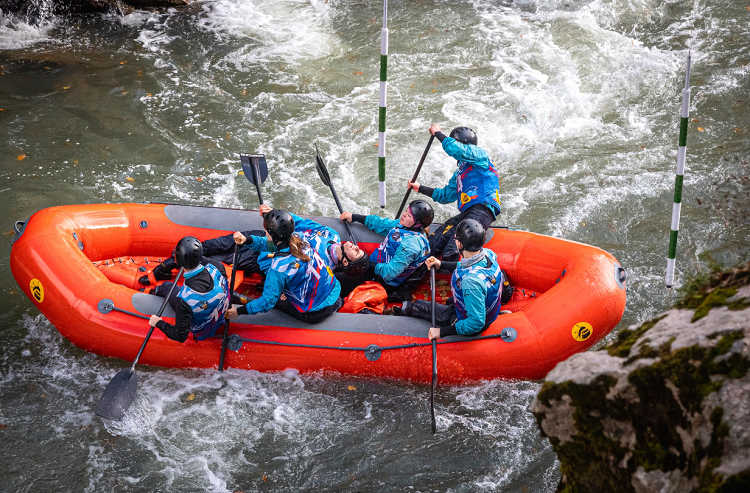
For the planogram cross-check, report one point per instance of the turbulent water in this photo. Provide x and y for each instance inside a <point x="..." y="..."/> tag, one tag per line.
<point x="576" y="101"/>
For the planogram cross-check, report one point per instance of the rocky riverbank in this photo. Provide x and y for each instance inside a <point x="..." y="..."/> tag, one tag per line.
<point x="666" y="406"/>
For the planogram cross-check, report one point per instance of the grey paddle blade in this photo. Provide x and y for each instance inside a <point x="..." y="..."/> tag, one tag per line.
<point x="254" y="165"/>
<point x="118" y="395"/>
<point x="321" y="167"/>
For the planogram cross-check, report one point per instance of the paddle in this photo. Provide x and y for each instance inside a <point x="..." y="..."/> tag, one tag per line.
<point x="416" y="174"/>
<point x="434" y="352"/>
<point x="326" y="179"/>
<point x="120" y="392"/>
<point x="255" y="168"/>
<point x="225" y="338"/>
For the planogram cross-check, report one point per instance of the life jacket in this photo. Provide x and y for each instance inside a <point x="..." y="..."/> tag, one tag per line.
<point x="477" y="186"/>
<point x="389" y="247"/>
<point x="208" y="308"/>
<point x="310" y="283"/>
<point x="369" y="295"/>
<point x="493" y="277"/>
<point x="321" y="239"/>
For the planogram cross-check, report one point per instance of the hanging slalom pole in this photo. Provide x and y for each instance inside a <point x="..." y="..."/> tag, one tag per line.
<point x="381" y="109"/>
<point x="681" y="150"/>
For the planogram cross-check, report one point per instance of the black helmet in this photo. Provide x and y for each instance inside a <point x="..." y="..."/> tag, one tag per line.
<point x="465" y="135"/>
<point x="355" y="268"/>
<point x="471" y="235"/>
<point x="280" y="225"/>
<point x="188" y="253"/>
<point x="422" y="213"/>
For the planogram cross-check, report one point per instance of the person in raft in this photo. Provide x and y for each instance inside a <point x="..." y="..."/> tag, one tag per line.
<point x="298" y="282"/>
<point x="477" y="284"/>
<point x="398" y="261"/>
<point x="475" y="186"/>
<point x="201" y="303"/>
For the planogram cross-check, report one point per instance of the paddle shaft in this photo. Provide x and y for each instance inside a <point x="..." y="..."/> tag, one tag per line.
<point x="225" y="338"/>
<point x="158" y="314"/>
<point x="341" y="211"/>
<point x="434" y="353"/>
<point x="416" y="174"/>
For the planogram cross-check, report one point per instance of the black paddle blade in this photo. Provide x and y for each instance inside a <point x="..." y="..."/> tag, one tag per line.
<point x="118" y="395"/>
<point x="321" y="167"/>
<point x="255" y="162"/>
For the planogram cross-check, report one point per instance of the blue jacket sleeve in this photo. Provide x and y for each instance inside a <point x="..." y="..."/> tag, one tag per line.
<point x="272" y="289"/>
<point x="380" y="225"/>
<point x="407" y="252"/>
<point x="448" y="193"/>
<point x="302" y="223"/>
<point x="476" y="156"/>
<point x="257" y="243"/>
<point x="475" y="294"/>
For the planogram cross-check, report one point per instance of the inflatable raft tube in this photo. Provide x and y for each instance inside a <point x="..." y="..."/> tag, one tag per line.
<point x="568" y="297"/>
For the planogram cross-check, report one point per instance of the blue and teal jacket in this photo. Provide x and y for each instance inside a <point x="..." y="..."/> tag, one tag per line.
<point x="402" y="251"/>
<point x="208" y="308"/>
<point x="322" y="238"/>
<point x="476" y="292"/>
<point x="474" y="182"/>
<point x="309" y="286"/>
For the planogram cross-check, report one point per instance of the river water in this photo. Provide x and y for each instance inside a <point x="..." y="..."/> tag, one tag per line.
<point x="576" y="101"/>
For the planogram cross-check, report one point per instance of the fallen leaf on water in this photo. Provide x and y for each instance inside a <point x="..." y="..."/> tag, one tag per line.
<point x="229" y="136"/>
<point x="2" y="109"/>
<point x="265" y="478"/>
<point x="357" y="131"/>
<point x="696" y="120"/>
<point x="244" y="92"/>
<point x="584" y="224"/>
<point x="131" y="180"/>
<point x="241" y="173"/>
<point x="191" y="397"/>
<point x="21" y="157"/>
<point x="643" y="147"/>
<point x="199" y="179"/>
<point x="375" y="145"/>
<point x="140" y="73"/>
<point x="124" y="92"/>
<point x="700" y="129"/>
<point x="148" y="94"/>
<point x="358" y="73"/>
<point x="434" y="90"/>
<point x="66" y="87"/>
<point x="737" y="130"/>
<point x="7" y="233"/>
<point x="75" y="162"/>
<point x="351" y="387"/>
<point x="3" y="426"/>
<point x="123" y="63"/>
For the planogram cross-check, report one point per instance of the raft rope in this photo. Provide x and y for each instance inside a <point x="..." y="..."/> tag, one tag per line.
<point x="372" y="352"/>
<point x="679" y="173"/>
<point x="381" y="109"/>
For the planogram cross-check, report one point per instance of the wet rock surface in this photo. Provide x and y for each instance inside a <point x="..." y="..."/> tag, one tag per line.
<point x="38" y="10"/>
<point x="666" y="406"/>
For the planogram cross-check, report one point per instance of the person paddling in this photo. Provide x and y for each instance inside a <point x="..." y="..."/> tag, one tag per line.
<point x="298" y="282"/>
<point x="477" y="286"/>
<point x="475" y="186"/>
<point x="398" y="261"/>
<point x="201" y="303"/>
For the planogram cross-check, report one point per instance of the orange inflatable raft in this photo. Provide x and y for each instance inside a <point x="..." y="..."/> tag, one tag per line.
<point x="80" y="264"/>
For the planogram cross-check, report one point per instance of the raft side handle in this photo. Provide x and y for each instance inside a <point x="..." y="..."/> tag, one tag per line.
<point x="373" y="352"/>
<point x="234" y="343"/>
<point x="144" y="224"/>
<point x="508" y="334"/>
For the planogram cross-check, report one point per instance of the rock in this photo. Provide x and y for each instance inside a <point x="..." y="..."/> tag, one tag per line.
<point x="665" y="407"/>
<point x="41" y="11"/>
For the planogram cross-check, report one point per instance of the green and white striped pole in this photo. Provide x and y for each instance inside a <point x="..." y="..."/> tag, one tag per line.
<point x="381" y="109"/>
<point x="676" y="207"/>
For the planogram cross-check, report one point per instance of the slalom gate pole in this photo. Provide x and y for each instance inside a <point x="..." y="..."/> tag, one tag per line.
<point x="382" y="105"/>
<point x="681" y="152"/>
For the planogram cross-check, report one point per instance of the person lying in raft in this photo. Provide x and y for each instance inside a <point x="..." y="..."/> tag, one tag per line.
<point x="398" y="261"/>
<point x="298" y="282"/>
<point x="475" y="186"/>
<point x="201" y="303"/>
<point x="477" y="284"/>
<point x="340" y="256"/>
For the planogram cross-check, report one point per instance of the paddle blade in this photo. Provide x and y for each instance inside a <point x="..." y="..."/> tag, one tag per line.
<point x="321" y="167"/>
<point x="253" y="164"/>
<point x="118" y="395"/>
